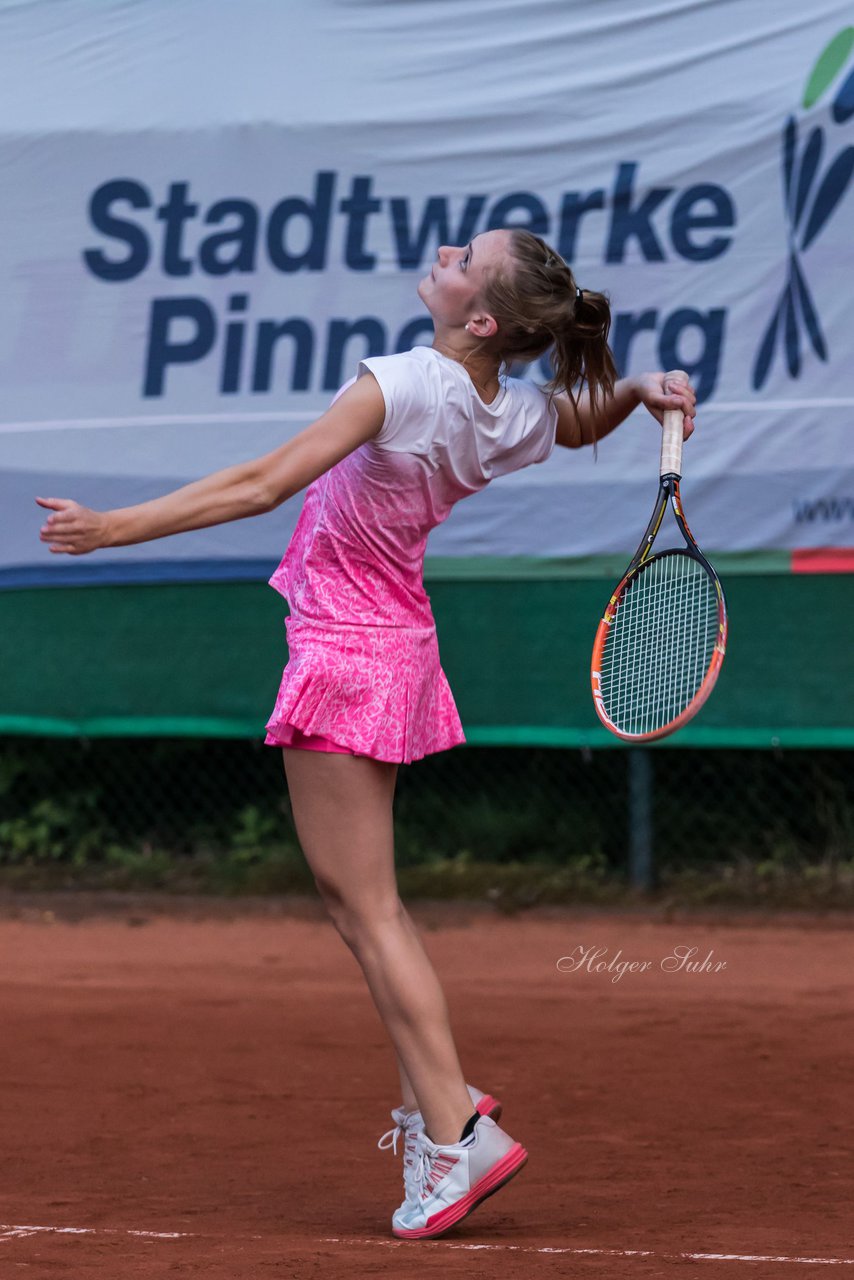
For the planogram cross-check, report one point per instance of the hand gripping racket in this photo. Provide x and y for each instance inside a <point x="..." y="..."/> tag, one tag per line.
<point x="661" y="643"/>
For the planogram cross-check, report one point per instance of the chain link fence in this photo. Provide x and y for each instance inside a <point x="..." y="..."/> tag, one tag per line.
<point x="216" y="814"/>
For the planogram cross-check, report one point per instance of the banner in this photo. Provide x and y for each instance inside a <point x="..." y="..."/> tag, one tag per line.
<point x="212" y="212"/>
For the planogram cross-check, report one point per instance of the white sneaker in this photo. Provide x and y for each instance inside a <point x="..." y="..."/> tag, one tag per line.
<point x="451" y="1181"/>
<point x="408" y="1123"/>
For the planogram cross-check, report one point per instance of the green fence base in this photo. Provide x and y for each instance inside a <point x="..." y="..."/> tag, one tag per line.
<point x="206" y="660"/>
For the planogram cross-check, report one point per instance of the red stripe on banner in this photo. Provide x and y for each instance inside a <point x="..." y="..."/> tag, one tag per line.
<point x="823" y="560"/>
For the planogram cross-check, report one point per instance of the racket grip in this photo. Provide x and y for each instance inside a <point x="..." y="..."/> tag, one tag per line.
<point x="671" y="435"/>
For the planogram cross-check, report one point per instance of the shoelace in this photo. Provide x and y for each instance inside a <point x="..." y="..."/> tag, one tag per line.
<point x="421" y="1165"/>
<point x="431" y="1164"/>
<point x="390" y="1139"/>
<point x="409" y="1127"/>
<point x="429" y="1167"/>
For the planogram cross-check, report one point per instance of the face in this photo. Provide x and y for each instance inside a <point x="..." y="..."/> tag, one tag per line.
<point x="451" y="290"/>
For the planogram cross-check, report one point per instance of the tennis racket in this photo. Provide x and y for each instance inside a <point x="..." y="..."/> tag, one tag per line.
<point x="660" y="645"/>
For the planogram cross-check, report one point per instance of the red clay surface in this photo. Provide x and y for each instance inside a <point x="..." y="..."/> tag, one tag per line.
<point x="228" y="1078"/>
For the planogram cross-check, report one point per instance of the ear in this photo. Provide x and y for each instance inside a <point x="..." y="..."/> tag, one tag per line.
<point x="483" y="325"/>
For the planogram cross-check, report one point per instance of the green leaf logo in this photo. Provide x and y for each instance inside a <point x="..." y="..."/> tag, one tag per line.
<point x="811" y="196"/>
<point x="831" y="61"/>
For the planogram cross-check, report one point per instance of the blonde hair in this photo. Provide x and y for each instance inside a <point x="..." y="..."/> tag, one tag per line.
<point x="538" y="306"/>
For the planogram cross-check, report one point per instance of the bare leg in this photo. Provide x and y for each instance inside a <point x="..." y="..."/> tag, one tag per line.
<point x="410" y="1102"/>
<point x="342" y="807"/>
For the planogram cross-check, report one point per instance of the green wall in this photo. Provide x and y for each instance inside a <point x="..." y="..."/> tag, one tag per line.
<point x="205" y="659"/>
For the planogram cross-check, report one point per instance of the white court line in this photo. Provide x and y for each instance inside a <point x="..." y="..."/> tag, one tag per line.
<point x="8" y="1232"/>
<point x="607" y="1253"/>
<point x="309" y="414"/>
<point x="728" y="406"/>
<point x="161" y="420"/>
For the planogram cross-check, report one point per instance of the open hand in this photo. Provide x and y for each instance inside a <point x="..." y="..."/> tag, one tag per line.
<point x="657" y="395"/>
<point x="72" y="528"/>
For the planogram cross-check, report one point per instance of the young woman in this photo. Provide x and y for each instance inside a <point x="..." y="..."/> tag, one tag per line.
<point x="364" y="690"/>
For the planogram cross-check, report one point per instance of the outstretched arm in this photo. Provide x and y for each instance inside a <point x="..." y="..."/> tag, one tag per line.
<point x="648" y="389"/>
<point x="248" y="489"/>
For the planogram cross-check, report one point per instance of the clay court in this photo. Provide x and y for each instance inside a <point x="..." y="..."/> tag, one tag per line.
<point x="199" y="1089"/>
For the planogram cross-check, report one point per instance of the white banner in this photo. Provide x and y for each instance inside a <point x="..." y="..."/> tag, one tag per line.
<point x="211" y="211"/>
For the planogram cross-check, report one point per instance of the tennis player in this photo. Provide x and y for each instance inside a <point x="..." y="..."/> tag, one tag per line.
<point x="364" y="690"/>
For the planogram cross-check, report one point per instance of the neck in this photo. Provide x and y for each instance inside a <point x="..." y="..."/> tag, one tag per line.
<point x="481" y="366"/>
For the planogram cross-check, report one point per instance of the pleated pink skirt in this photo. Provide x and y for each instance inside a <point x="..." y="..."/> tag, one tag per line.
<point x="375" y="691"/>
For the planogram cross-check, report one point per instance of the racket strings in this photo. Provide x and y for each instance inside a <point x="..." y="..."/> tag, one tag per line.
<point x="660" y="644"/>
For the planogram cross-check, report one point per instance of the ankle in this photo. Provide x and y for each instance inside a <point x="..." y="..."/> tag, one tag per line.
<point x="453" y="1137"/>
<point x="469" y="1126"/>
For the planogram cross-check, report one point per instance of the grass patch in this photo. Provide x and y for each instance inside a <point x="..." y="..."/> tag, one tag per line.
<point x="512" y="826"/>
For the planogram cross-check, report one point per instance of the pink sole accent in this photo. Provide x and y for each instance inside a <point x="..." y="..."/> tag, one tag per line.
<point x="501" y="1172"/>
<point x="489" y="1106"/>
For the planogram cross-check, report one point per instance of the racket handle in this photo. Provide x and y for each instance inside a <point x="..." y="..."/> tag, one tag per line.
<point x="671" y="435"/>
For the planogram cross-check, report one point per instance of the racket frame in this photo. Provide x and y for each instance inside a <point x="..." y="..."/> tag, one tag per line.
<point x="668" y="492"/>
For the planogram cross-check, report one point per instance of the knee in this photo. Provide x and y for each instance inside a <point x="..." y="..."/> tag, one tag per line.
<point x="359" y="917"/>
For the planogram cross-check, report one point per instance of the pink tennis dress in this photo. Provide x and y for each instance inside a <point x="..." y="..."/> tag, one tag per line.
<point x="364" y="669"/>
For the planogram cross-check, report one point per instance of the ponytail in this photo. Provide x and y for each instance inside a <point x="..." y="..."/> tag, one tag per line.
<point x="581" y="351"/>
<point x="539" y="307"/>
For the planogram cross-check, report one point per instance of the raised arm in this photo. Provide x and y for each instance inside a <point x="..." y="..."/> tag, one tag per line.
<point x="247" y="489"/>
<point x="649" y="389"/>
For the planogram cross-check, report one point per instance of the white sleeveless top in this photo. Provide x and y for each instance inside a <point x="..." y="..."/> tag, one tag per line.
<point x="356" y="556"/>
